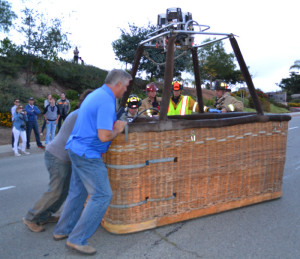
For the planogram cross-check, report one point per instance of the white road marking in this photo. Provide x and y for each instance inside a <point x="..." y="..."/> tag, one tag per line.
<point x="6" y="188"/>
<point x="293" y="128"/>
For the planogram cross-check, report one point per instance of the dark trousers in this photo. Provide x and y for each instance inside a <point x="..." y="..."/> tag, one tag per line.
<point x="32" y="125"/>
<point x="62" y="117"/>
<point x="43" y="127"/>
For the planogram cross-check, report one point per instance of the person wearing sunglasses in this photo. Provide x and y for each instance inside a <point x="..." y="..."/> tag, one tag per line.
<point x="20" y="118"/>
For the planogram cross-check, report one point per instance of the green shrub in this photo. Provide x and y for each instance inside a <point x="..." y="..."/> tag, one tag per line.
<point x="73" y="105"/>
<point x="9" y="91"/>
<point x="209" y="102"/>
<point x="241" y="92"/>
<point x="55" y="96"/>
<point x="264" y="104"/>
<point x="43" y="79"/>
<point x="72" y="94"/>
<point x="295" y="101"/>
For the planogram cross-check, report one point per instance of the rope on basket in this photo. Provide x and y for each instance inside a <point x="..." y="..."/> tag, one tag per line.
<point x="152" y="161"/>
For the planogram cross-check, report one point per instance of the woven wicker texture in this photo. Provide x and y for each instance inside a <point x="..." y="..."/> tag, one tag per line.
<point x="158" y="174"/>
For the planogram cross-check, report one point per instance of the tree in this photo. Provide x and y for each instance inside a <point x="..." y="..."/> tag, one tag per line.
<point x="152" y="62"/>
<point x="43" y="39"/>
<point x="215" y="63"/>
<point x="296" y="65"/>
<point x="6" y="16"/>
<point x="291" y="84"/>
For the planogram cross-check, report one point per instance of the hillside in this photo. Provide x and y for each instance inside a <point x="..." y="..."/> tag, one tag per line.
<point x="22" y="77"/>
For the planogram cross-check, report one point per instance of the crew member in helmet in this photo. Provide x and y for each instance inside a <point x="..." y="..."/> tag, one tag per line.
<point x="224" y="101"/>
<point x="132" y="105"/>
<point x="152" y="101"/>
<point x="180" y="104"/>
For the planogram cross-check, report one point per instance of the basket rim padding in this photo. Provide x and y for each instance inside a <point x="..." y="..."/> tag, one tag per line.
<point x="201" y="121"/>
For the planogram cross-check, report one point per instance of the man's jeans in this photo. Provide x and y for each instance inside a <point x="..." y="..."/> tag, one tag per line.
<point x="60" y="174"/>
<point x="51" y="126"/>
<point x="89" y="176"/>
<point x="29" y="126"/>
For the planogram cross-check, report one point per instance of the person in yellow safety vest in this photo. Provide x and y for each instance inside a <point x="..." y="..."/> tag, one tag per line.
<point x="224" y="101"/>
<point x="152" y="101"/>
<point x="180" y="104"/>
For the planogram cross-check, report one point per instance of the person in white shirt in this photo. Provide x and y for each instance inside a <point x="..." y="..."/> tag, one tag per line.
<point x="13" y="110"/>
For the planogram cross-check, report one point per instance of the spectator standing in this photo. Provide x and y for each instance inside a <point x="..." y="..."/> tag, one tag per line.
<point x="58" y="164"/>
<point x="76" y="53"/>
<point x="46" y="103"/>
<point x="32" y="112"/>
<point x="96" y="126"/>
<point x="20" y="118"/>
<point x="64" y="108"/>
<point x="13" y="110"/>
<point x="51" y="116"/>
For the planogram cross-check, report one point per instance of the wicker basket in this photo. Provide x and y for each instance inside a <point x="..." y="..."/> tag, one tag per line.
<point x="171" y="171"/>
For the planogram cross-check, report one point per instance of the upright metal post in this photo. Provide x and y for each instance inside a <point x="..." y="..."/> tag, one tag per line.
<point x="197" y="79"/>
<point x="246" y="74"/>
<point x="137" y="58"/>
<point x="169" y="70"/>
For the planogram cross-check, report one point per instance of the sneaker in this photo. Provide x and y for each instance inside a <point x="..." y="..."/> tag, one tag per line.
<point x="85" y="249"/>
<point x="41" y="146"/>
<point x="25" y="153"/>
<point x="27" y="147"/>
<point x="17" y="154"/>
<point x="33" y="226"/>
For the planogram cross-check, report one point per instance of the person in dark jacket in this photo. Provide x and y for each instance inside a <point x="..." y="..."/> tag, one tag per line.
<point x="64" y="108"/>
<point x="31" y="124"/>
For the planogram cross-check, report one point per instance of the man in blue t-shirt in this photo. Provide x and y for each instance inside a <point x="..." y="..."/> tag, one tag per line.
<point x="96" y="126"/>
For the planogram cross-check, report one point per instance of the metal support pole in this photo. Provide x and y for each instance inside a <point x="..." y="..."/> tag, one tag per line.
<point x="246" y="74"/>
<point x="197" y="79"/>
<point x="137" y="58"/>
<point x="169" y="70"/>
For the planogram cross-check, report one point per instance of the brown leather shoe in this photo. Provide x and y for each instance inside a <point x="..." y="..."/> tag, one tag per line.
<point x="59" y="237"/>
<point x="87" y="250"/>
<point x="33" y="226"/>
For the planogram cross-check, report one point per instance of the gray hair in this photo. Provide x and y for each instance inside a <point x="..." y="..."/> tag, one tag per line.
<point x="117" y="75"/>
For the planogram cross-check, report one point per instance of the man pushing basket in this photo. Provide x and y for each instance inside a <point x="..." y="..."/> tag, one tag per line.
<point x="96" y="126"/>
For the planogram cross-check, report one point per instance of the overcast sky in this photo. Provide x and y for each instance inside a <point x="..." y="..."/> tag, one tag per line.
<point x="267" y="30"/>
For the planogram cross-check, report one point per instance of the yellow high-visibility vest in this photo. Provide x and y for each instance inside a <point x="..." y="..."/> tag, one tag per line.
<point x="182" y="107"/>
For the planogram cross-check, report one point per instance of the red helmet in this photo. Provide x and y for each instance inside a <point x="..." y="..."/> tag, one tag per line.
<point x="151" y="87"/>
<point x="177" y="86"/>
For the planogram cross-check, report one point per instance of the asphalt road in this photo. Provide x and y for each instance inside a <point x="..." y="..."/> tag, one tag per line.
<point x="266" y="230"/>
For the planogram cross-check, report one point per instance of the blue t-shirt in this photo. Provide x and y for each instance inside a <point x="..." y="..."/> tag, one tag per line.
<point x="98" y="111"/>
